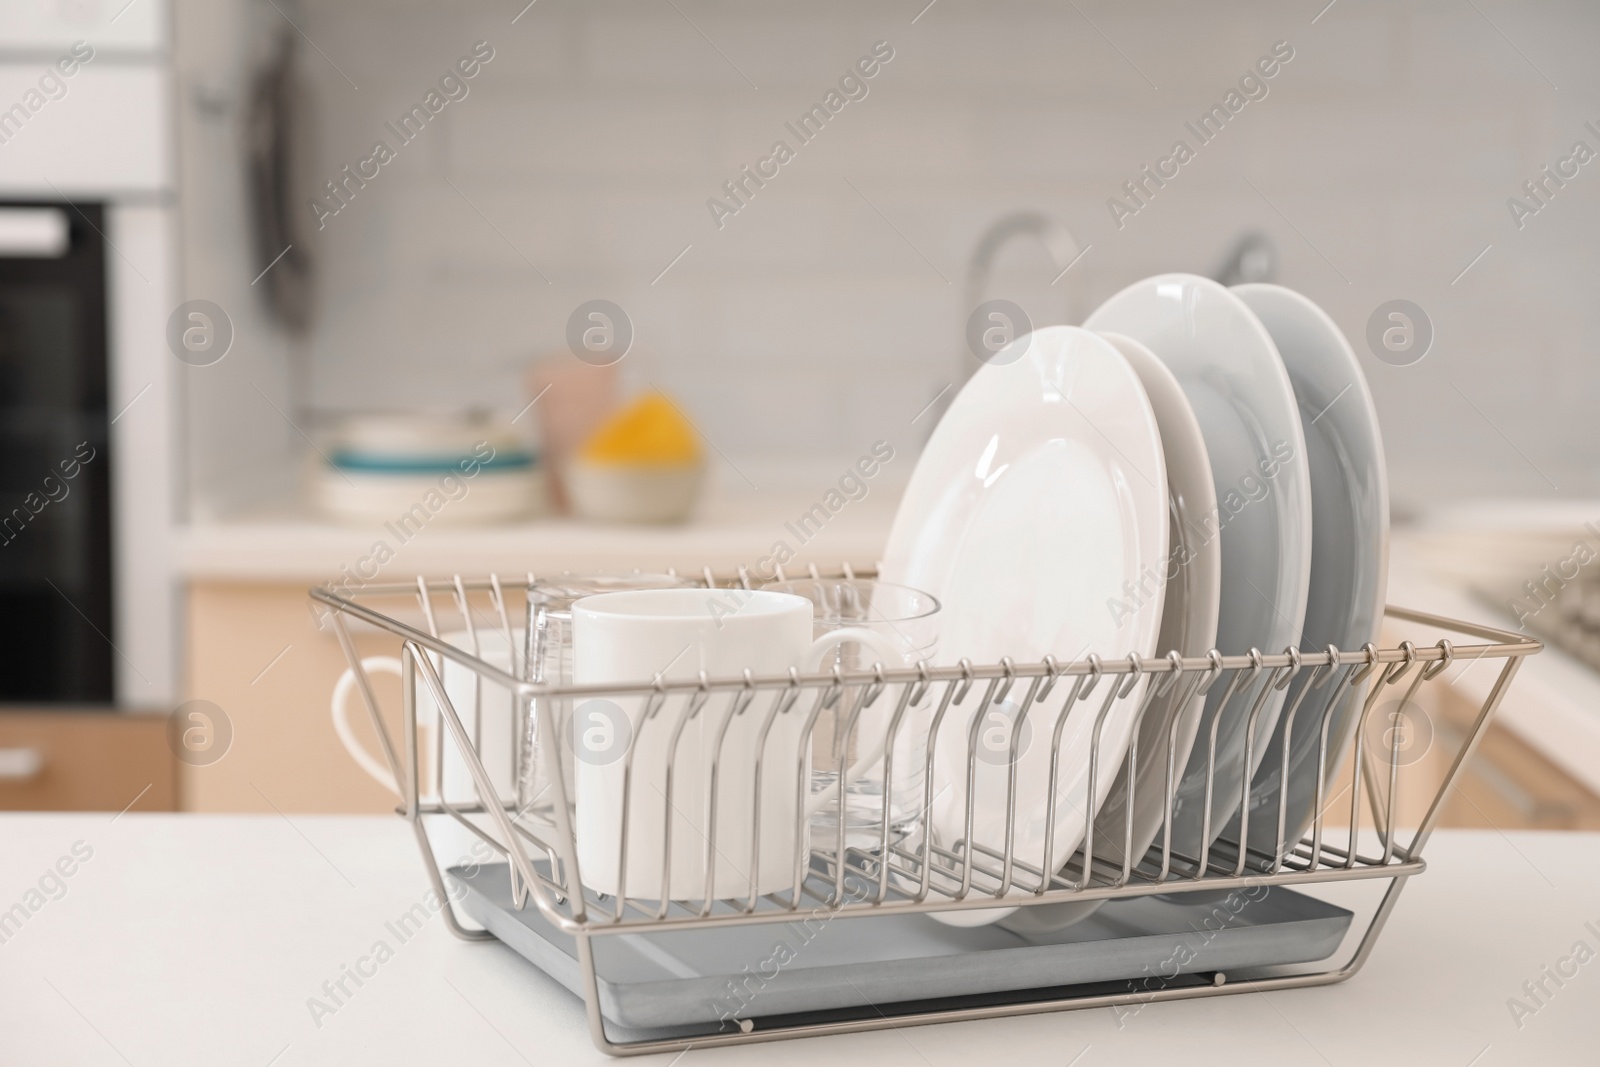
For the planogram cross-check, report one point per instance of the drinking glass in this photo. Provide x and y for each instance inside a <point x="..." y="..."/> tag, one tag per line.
<point x="549" y="662"/>
<point x="908" y="620"/>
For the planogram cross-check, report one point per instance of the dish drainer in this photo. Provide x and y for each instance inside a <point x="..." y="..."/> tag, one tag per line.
<point x="900" y="876"/>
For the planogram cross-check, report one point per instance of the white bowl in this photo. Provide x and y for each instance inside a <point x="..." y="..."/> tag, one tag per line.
<point x="414" y="500"/>
<point x="415" y="435"/>
<point x="633" y="493"/>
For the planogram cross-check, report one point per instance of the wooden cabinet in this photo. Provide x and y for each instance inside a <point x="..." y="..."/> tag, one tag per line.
<point x="257" y="652"/>
<point x="80" y="760"/>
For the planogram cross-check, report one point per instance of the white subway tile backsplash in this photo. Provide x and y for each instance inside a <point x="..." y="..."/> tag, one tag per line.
<point x="754" y="414"/>
<point x="599" y="133"/>
<point x="747" y="51"/>
<point x="827" y="310"/>
<point x="1101" y="145"/>
<point x="1361" y="48"/>
<point x="1448" y="47"/>
<point x="1329" y="143"/>
<point x="852" y="324"/>
<point x="640" y="47"/>
<point x="892" y="130"/>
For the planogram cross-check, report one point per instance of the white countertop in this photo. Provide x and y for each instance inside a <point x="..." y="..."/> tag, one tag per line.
<point x="729" y="529"/>
<point x="197" y="939"/>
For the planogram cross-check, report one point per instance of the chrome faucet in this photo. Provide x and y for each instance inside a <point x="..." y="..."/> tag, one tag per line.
<point x="1253" y="258"/>
<point x="1057" y="241"/>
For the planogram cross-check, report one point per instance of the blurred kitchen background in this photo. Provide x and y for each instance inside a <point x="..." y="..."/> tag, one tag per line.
<point x="827" y="314"/>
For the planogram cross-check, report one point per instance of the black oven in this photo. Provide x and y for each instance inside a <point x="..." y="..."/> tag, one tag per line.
<point x="56" y="636"/>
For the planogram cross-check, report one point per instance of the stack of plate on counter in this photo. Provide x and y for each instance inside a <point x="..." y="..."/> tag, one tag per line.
<point x="414" y="469"/>
<point x="1195" y="468"/>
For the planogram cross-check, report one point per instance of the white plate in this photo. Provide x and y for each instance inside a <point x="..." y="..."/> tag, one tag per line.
<point x="1041" y="492"/>
<point x="1349" y="562"/>
<point x="1188" y="624"/>
<point x="1230" y="371"/>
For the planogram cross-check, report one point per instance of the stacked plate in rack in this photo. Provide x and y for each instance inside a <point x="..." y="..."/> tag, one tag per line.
<point x="1197" y="467"/>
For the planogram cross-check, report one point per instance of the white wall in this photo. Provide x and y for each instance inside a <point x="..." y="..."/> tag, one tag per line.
<point x="239" y="448"/>
<point x="1387" y="149"/>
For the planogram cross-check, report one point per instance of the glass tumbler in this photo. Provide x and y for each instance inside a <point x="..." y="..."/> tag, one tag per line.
<point x="907" y="619"/>
<point x="549" y="662"/>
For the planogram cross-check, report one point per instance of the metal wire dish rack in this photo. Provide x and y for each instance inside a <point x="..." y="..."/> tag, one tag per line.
<point x="1348" y="840"/>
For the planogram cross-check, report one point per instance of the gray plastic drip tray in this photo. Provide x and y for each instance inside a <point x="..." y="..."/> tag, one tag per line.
<point x="678" y="983"/>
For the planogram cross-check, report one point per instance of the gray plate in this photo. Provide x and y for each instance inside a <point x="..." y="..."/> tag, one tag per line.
<point x="1349" y="544"/>
<point x="697" y="981"/>
<point x="1235" y="381"/>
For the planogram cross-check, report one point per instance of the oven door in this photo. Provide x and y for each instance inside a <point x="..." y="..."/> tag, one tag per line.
<point x="56" y="639"/>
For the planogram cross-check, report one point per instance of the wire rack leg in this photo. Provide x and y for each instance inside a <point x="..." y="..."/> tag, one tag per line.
<point x="1497" y="694"/>
<point x="448" y="912"/>
<point x="1385" y="907"/>
<point x="591" y="1005"/>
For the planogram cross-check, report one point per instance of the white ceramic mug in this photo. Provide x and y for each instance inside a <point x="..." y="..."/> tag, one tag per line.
<point x="495" y="736"/>
<point x="674" y="634"/>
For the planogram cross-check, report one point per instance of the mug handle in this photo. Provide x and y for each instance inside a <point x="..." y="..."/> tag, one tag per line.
<point x="376" y="768"/>
<point x="890" y="653"/>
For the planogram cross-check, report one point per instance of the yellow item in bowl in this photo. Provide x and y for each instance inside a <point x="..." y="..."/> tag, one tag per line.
<point x="648" y="432"/>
